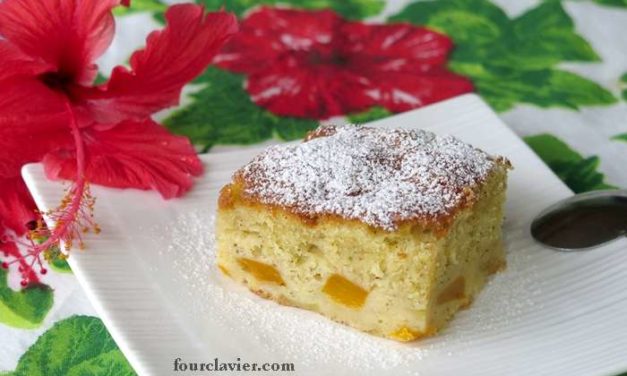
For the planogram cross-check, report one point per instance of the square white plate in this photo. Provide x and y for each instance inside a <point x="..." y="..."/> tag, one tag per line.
<point x="151" y="277"/>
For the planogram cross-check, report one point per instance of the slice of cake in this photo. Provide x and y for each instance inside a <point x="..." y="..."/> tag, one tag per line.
<point x="388" y="231"/>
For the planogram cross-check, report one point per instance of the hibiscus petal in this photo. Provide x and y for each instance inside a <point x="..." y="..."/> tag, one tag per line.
<point x="17" y="207"/>
<point x="396" y="48"/>
<point x="14" y="62"/>
<point x="315" y="64"/>
<point x="400" y="92"/>
<point x="268" y="32"/>
<point x="33" y="121"/>
<point x="141" y="155"/>
<point x="172" y="57"/>
<point x="321" y="92"/>
<point x="68" y="34"/>
<point x="404" y="64"/>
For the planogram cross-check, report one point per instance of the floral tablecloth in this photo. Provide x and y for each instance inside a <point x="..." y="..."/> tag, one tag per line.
<point x="555" y="71"/>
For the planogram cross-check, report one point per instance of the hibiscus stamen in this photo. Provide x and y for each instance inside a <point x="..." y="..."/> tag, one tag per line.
<point x="10" y="249"/>
<point x="72" y="218"/>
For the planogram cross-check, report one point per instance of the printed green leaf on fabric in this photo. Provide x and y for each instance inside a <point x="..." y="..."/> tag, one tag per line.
<point x="222" y="113"/>
<point x="79" y="345"/>
<point x="25" y="308"/>
<point x="60" y="266"/>
<point x="374" y="113"/>
<point x="353" y="9"/>
<point x="578" y="173"/>
<point x="620" y="137"/>
<point x="513" y="61"/>
<point x="623" y="85"/>
<point x="478" y="23"/>
<point x="57" y="262"/>
<point x="544" y="88"/>
<point x="100" y="79"/>
<point x="615" y="3"/>
<point x="543" y="37"/>
<point x="141" y="6"/>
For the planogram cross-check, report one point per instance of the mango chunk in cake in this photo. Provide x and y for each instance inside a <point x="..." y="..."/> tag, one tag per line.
<point x="388" y="231"/>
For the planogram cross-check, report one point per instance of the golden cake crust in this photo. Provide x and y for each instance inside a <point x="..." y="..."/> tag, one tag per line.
<point x="245" y="189"/>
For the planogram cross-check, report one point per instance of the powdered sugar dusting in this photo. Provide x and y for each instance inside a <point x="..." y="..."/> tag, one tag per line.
<point x="379" y="176"/>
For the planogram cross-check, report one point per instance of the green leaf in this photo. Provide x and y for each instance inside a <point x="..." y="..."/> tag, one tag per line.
<point x="79" y="345"/>
<point x="623" y="84"/>
<point x="475" y="24"/>
<point x="140" y="6"/>
<point x="57" y="262"/>
<point x="578" y="173"/>
<point x="513" y="61"/>
<point x="289" y="129"/>
<point x="503" y="88"/>
<point x="374" y="113"/>
<point x="222" y="113"/>
<point x="111" y="363"/>
<point x="615" y="3"/>
<point x="100" y="79"/>
<point x="552" y="150"/>
<point x="60" y="266"/>
<point x="353" y="9"/>
<point x="25" y="308"/>
<point x="541" y="38"/>
<point x="570" y="90"/>
<point x="620" y="137"/>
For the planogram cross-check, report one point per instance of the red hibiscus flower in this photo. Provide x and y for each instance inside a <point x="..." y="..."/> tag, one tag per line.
<point x="51" y="112"/>
<point x="317" y="65"/>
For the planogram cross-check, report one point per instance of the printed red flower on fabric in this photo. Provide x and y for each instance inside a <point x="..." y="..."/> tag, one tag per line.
<point x="51" y="112"/>
<point x="315" y="64"/>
